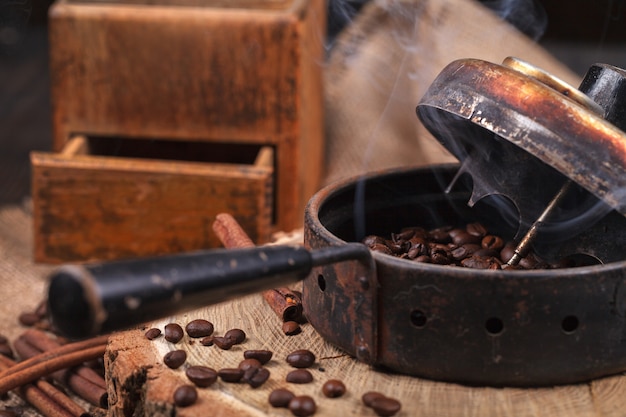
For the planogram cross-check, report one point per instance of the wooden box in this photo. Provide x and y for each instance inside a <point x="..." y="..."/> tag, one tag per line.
<point x="216" y="75"/>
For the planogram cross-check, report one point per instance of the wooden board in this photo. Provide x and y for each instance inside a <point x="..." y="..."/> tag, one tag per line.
<point x="137" y="376"/>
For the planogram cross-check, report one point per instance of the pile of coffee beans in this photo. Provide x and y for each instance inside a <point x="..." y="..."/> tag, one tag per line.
<point x="252" y="371"/>
<point x="471" y="246"/>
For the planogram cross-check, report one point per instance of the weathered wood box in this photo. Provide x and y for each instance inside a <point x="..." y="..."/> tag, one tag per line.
<point x="167" y="112"/>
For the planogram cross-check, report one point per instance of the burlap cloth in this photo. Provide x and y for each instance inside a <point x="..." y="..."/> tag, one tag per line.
<point x="375" y="75"/>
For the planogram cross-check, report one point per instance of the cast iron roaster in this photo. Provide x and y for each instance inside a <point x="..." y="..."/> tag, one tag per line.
<point x="547" y="166"/>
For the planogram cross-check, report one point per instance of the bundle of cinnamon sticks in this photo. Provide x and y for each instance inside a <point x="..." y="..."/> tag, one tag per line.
<point x="43" y="356"/>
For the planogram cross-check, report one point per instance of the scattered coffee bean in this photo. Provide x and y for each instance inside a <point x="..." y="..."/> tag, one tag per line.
<point x="333" y="388"/>
<point x="299" y="376"/>
<point x="201" y="376"/>
<point x="280" y="397"/>
<point x="6" y="350"/>
<point x="153" y="333"/>
<point x="249" y="363"/>
<point x="173" y="332"/>
<point x="175" y="358"/>
<point x="237" y="335"/>
<point x="207" y="341"/>
<point x="224" y="343"/>
<point x="369" y="397"/>
<point x="185" y="395"/>
<point x="230" y="374"/>
<point x="199" y="328"/>
<point x="28" y="319"/>
<point x="302" y="406"/>
<point x="255" y="377"/>
<point x="291" y="328"/>
<point x="262" y="356"/>
<point x="301" y="358"/>
<point x="385" y="406"/>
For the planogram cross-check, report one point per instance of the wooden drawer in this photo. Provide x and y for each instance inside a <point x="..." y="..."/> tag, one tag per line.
<point x="109" y="198"/>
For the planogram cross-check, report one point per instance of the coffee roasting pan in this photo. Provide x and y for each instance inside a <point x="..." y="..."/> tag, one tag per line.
<point x="482" y="327"/>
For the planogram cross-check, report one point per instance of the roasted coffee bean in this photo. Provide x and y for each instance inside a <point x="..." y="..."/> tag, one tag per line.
<point x="185" y="395"/>
<point x="488" y="253"/>
<point x="153" y="333"/>
<point x="8" y="413"/>
<point x="201" y="376"/>
<point x="492" y="242"/>
<point x="424" y="258"/>
<point x="385" y="406"/>
<point x="507" y="251"/>
<point x="5" y="350"/>
<point x="291" y="328"/>
<point x="440" y="257"/>
<point x="199" y="328"/>
<point x="280" y="397"/>
<point x="461" y="237"/>
<point x="237" y="335"/>
<point x="476" y="229"/>
<point x="333" y="388"/>
<point x="224" y="343"/>
<point x="378" y="247"/>
<point x="207" y="341"/>
<point x="175" y="358"/>
<point x="299" y="376"/>
<point x="230" y="374"/>
<point x="440" y="235"/>
<point x="249" y="363"/>
<point x="369" y="397"/>
<point x="262" y="356"/>
<point x="173" y="332"/>
<point x="374" y="240"/>
<point x="302" y="406"/>
<point x="255" y="377"/>
<point x="480" y="262"/>
<point x="301" y="358"/>
<point x="464" y="251"/>
<point x="28" y="319"/>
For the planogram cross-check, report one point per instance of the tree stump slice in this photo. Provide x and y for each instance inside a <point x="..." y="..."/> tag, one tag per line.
<point x="140" y="384"/>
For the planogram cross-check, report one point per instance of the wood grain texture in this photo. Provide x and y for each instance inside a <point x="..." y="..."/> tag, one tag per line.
<point x="131" y="354"/>
<point x="88" y="207"/>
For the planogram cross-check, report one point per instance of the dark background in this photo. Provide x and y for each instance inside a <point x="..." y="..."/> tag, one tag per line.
<point x="578" y="32"/>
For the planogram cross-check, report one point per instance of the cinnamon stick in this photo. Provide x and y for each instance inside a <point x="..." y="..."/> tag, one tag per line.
<point x="46" y="363"/>
<point x="45" y="397"/>
<point x="283" y="301"/>
<point x="230" y="233"/>
<point x="84" y="381"/>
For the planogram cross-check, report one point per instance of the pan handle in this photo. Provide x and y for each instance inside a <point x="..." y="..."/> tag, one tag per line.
<point x="85" y="300"/>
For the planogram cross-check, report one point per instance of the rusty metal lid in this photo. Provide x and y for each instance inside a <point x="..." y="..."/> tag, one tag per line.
<point x="521" y="132"/>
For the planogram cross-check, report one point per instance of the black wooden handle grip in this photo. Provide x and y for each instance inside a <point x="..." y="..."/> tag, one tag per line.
<point x="84" y="300"/>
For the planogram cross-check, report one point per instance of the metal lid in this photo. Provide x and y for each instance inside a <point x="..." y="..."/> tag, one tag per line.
<point x="522" y="132"/>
